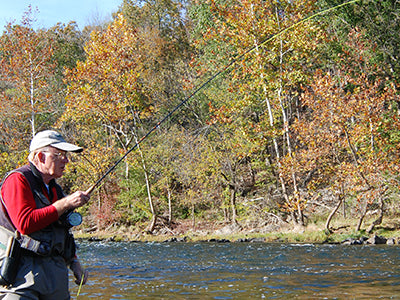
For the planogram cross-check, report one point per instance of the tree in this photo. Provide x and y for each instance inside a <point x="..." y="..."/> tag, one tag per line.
<point x="160" y="27"/>
<point x="69" y="46"/>
<point x="347" y="140"/>
<point x="265" y="85"/>
<point x="198" y="173"/>
<point x="378" y="24"/>
<point x="30" y="100"/>
<point x="105" y="97"/>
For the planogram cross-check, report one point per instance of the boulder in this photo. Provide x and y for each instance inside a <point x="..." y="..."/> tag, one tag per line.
<point x="351" y="241"/>
<point x="376" y="240"/>
<point x="176" y="239"/>
<point x="229" y="229"/>
<point x="391" y="241"/>
<point x="251" y="240"/>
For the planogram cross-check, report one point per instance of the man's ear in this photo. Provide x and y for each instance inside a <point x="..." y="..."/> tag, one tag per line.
<point x="41" y="157"/>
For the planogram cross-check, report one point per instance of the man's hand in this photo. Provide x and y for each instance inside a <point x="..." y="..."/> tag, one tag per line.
<point x="78" y="271"/>
<point x="72" y="201"/>
<point x="77" y="199"/>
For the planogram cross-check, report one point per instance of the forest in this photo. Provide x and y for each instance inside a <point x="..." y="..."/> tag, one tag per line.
<point x="253" y="113"/>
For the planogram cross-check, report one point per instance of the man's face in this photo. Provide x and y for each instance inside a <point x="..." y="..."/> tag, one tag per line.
<point x="54" y="163"/>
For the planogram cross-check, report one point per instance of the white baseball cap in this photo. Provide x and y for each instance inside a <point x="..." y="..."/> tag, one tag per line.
<point x="54" y="139"/>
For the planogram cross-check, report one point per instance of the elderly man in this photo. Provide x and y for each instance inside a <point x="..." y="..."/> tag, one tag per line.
<point x="34" y="205"/>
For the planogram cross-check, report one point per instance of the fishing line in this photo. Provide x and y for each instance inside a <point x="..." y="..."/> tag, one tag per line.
<point x="80" y="286"/>
<point x="233" y="61"/>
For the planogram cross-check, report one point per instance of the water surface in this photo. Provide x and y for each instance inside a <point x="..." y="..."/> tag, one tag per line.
<point x="238" y="271"/>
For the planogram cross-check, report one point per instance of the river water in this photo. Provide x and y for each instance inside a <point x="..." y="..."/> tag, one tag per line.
<point x="238" y="271"/>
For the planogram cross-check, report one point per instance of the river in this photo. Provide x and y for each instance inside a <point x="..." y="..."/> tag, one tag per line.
<point x="129" y="270"/>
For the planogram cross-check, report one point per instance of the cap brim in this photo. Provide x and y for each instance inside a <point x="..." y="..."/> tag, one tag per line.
<point x="67" y="147"/>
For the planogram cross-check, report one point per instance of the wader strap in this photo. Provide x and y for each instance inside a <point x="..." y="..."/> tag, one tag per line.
<point x="25" y="241"/>
<point x="5" y="218"/>
<point x="30" y="244"/>
<point x="5" y="234"/>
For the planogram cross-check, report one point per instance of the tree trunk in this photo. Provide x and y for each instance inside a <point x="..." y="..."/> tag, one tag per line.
<point x="226" y="215"/>
<point x="300" y="217"/>
<point x="233" y="206"/>
<point x="378" y="221"/>
<point x="169" y="206"/>
<point x="152" y="223"/>
<point x="32" y="100"/>
<point x="275" y="142"/>
<point x="328" y="221"/>
<point x="154" y="216"/>
<point x="152" y="210"/>
<point x="361" y="219"/>
<point x="193" y="218"/>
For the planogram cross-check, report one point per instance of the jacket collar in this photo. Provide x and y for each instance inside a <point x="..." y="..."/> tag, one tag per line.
<point x="39" y="178"/>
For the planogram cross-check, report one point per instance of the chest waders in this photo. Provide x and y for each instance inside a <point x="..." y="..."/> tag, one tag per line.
<point x="54" y="239"/>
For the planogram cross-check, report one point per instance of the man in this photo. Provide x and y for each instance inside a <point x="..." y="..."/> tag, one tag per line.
<point x="36" y="207"/>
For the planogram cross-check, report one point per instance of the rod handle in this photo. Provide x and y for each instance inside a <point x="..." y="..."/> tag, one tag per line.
<point x="9" y="245"/>
<point x="90" y="190"/>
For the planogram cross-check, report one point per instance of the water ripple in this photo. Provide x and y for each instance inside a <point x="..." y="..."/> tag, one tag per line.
<point x="238" y="271"/>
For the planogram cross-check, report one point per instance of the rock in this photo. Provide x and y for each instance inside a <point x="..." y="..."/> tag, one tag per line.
<point x="352" y="241"/>
<point x="91" y="229"/>
<point x="110" y="239"/>
<point x="229" y="229"/>
<point x="376" y="240"/>
<point x="391" y="241"/>
<point x="218" y="241"/>
<point x="250" y="240"/>
<point x="242" y="240"/>
<point x="257" y="240"/>
<point x="176" y="239"/>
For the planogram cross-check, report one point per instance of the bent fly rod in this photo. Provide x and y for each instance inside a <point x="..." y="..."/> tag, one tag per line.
<point x="185" y="100"/>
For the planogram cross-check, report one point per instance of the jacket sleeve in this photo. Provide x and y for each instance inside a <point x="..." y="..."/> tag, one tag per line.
<point x="21" y="205"/>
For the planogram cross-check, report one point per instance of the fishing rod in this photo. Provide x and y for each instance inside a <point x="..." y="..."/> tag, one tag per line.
<point x="185" y="100"/>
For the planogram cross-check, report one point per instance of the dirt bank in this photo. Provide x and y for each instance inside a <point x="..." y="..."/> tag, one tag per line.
<point x="205" y="231"/>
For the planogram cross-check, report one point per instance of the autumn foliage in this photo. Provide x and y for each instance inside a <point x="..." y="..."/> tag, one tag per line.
<point x="302" y="120"/>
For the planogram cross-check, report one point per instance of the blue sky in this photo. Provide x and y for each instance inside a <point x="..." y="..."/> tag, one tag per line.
<point x="53" y="11"/>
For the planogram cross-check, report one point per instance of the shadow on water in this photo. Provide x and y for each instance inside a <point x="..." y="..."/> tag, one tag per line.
<point x="238" y="271"/>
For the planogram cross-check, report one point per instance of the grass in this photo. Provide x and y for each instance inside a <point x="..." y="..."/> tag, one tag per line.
<point x="313" y="233"/>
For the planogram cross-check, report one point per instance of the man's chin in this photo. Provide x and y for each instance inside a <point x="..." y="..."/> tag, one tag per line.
<point x="58" y="175"/>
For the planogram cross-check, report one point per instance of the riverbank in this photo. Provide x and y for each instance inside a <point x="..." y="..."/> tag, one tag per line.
<point x="341" y="232"/>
